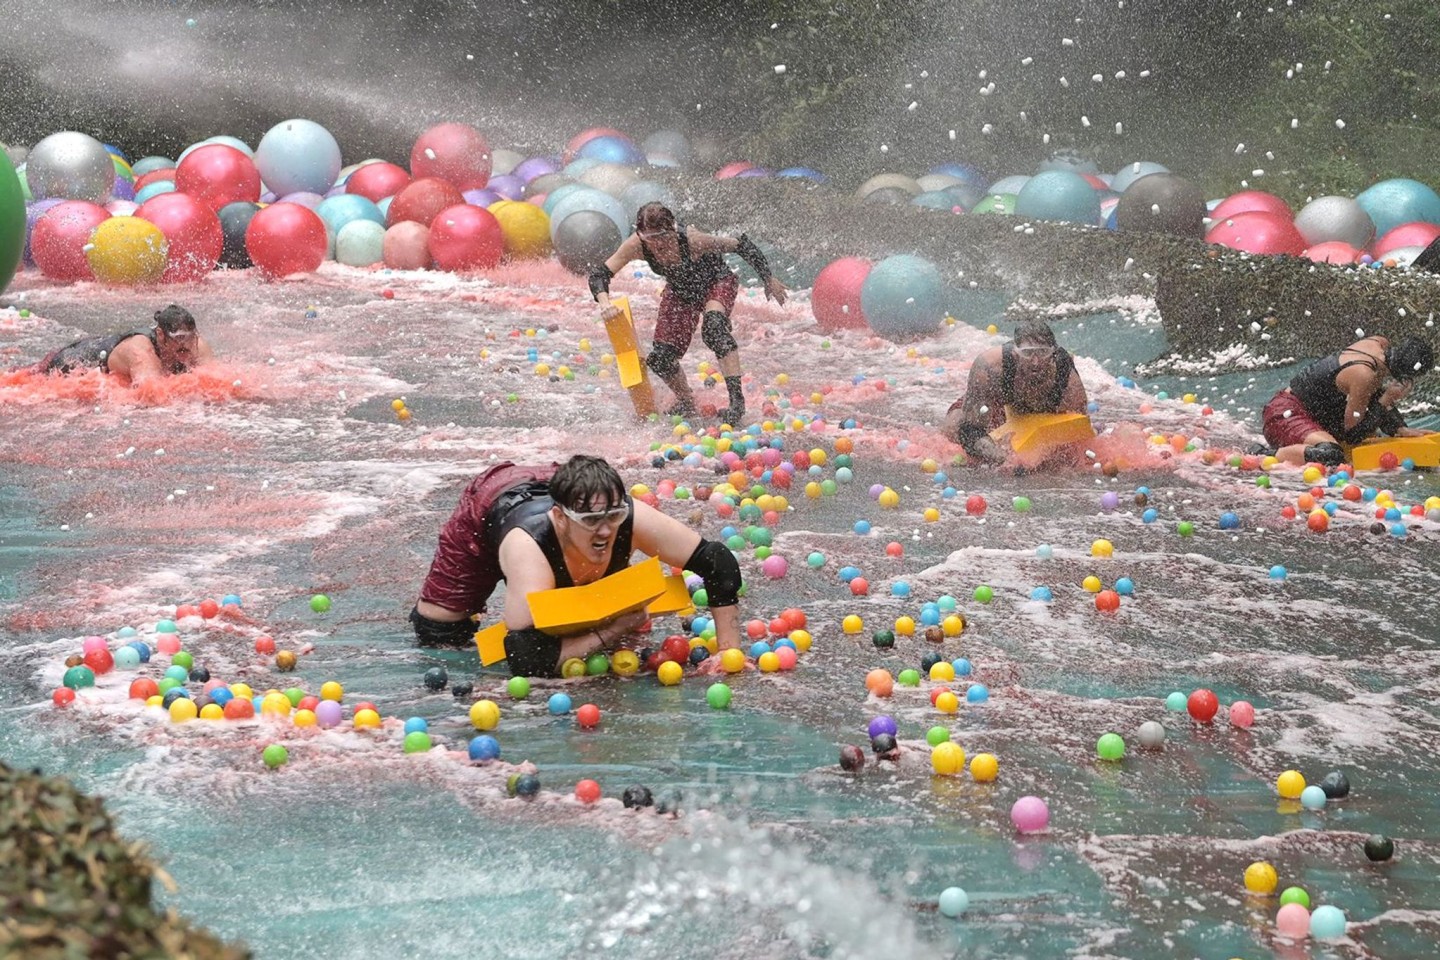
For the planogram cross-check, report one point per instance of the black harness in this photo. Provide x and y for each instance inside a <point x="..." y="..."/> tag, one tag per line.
<point x="527" y="507"/>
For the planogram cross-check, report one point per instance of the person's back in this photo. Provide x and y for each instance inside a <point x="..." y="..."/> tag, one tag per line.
<point x="172" y="345"/>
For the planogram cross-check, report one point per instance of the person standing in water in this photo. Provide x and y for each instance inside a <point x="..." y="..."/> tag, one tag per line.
<point x="172" y="345"/>
<point x="699" y="290"/>
<point x="1346" y="397"/>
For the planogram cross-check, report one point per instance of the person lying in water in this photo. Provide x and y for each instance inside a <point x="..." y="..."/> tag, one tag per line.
<point x="1346" y="397"/>
<point x="542" y="527"/>
<point x="171" y="345"/>
<point x="1031" y="374"/>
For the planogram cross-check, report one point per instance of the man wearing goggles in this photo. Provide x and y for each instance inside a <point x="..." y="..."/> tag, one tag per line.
<point x="539" y="528"/>
<point x="172" y="345"/>
<point x="1031" y="374"/>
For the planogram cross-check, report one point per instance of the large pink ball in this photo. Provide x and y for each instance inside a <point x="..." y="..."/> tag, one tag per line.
<point x="407" y="246"/>
<point x="1333" y="251"/>
<point x="456" y="152"/>
<point x="57" y="244"/>
<point x="192" y="231"/>
<point x="328" y="714"/>
<point x="1030" y="815"/>
<point x="1293" y="921"/>
<point x="286" y="238"/>
<point x="1258" y="232"/>
<point x="376" y="181"/>
<point x="217" y="174"/>
<point x="835" y="299"/>
<point x="1242" y="714"/>
<point x="1250" y="201"/>
<point x="466" y="238"/>
<point x="775" y="566"/>
<point x="1417" y="234"/>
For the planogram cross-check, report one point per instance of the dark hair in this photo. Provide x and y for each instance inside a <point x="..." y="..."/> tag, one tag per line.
<point x="1035" y="331"/>
<point x="654" y="216"/>
<point x="1410" y="358"/>
<point x="173" y="319"/>
<point x="587" y="483"/>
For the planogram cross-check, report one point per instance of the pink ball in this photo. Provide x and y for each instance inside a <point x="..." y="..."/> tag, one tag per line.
<point x="733" y="169"/>
<point x="217" y="174"/>
<point x="835" y="297"/>
<point x="407" y="246"/>
<point x="213" y="684"/>
<point x="1416" y="234"/>
<point x="787" y="657"/>
<point x="286" y="238"/>
<point x="456" y="152"/>
<point x="1030" y="815"/>
<point x="1333" y="251"/>
<point x="1258" y="232"/>
<point x="775" y="566"/>
<point x="328" y="714"/>
<point x="57" y="244"/>
<point x="168" y="643"/>
<point x="122" y="208"/>
<point x="192" y="231"/>
<point x="92" y="644"/>
<point x="1293" y="921"/>
<point x="376" y="181"/>
<point x="1242" y="713"/>
<point x="770" y="456"/>
<point x="1250" y="201"/>
<point x="466" y="238"/>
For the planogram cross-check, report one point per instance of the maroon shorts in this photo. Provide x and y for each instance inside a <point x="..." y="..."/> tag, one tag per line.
<point x="466" y="568"/>
<point x="1286" y="422"/>
<point x="678" y="319"/>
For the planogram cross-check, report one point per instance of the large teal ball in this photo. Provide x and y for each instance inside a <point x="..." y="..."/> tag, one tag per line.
<point x="1393" y="202"/>
<point x="1059" y="195"/>
<point x="360" y="243"/>
<point x="341" y="210"/>
<point x="903" y="297"/>
<point x="589" y="199"/>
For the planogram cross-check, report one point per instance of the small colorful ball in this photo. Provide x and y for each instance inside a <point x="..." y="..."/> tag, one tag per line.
<point x="953" y="902"/>
<point x="984" y="768"/>
<point x="718" y="695"/>
<point x="1260" y="877"/>
<point x="947" y="758"/>
<point x="275" y="756"/>
<point x="1151" y="734"/>
<point x="670" y="673"/>
<point x="1110" y="746"/>
<point x="484" y="747"/>
<point x="1030" y="814"/>
<point x="558" y="704"/>
<point x="1290" y="785"/>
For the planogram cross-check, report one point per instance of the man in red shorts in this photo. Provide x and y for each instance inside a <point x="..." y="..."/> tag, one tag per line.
<point x="699" y="290"/>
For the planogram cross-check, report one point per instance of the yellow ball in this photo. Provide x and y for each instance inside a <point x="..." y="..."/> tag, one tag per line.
<point x="525" y="227"/>
<point x="1269" y="463"/>
<point x="1260" y="878"/>
<point x="625" y="662"/>
<point x="733" y="660"/>
<point x="670" y="673"/>
<point x="584" y="344"/>
<point x="1312" y="474"/>
<point x="992" y="329"/>
<point x="905" y="626"/>
<point x="367" y="720"/>
<point x="183" y="710"/>
<point x="852" y="624"/>
<point x="928" y="466"/>
<point x="818" y="457"/>
<point x="782" y="378"/>
<point x="1188" y="398"/>
<point x="304" y="718"/>
<point x="274" y="705"/>
<point x="942" y="672"/>
<point x="801" y="639"/>
<point x="397" y="405"/>
<point x="485" y="714"/>
<point x="573" y="668"/>
<point x="127" y="250"/>
<point x="812" y="490"/>
<point x="330" y="690"/>
<point x="947" y="702"/>
<point x="984" y="767"/>
<point x="765" y="502"/>
<point x="242" y="690"/>
<point x="723" y="444"/>
<point x="931" y="515"/>
<point x="1432" y="502"/>
<point x="639" y="490"/>
<point x="211" y="711"/>
<point x="817" y="398"/>
<point x="953" y="625"/>
<point x="1102" y="548"/>
<point x="1290" y="784"/>
<point x="947" y="758"/>
<point x="542" y="369"/>
<point x="1092" y="584"/>
<point x="781" y="504"/>
<point x="889" y="499"/>
<point x="155" y="701"/>
<point x="769" y="662"/>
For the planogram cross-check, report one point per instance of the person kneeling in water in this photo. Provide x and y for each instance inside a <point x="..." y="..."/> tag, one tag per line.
<point x="538" y="528"/>
<point x="1346" y="397"/>
<point x="699" y="289"/>
<point x="1031" y="374"/>
<point x="172" y="345"/>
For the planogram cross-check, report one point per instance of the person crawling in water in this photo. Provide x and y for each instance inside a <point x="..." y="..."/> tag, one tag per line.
<point x="171" y="345"/>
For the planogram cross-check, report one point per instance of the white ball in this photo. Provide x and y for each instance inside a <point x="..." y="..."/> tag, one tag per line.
<point x="1152" y="734"/>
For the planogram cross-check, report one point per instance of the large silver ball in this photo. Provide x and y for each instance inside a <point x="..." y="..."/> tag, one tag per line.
<point x="670" y="147"/>
<point x="1131" y="172"/>
<point x="1335" y="218"/>
<point x="70" y="166"/>
<point x="584" y="239"/>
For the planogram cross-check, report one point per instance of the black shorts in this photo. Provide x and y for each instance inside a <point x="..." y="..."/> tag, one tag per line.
<point x="456" y="635"/>
<point x="530" y="653"/>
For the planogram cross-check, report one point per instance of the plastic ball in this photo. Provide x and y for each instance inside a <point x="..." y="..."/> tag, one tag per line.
<point x="1030" y="814"/>
<point x="377" y="180"/>
<point x="671" y="673"/>
<point x="901" y="297"/>
<point x="484" y="747"/>
<point x="417" y="741"/>
<point x="518" y="688"/>
<point x="984" y="593"/>
<point x="1151" y="734"/>
<point x="485" y="714"/>
<point x="1327" y="922"/>
<point x="1312" y="798"/>
<point x="1260" y="877"/>
<point x="584" y="239"/>
<point x="947" y="702"/>
<point x="718" y="696"/>
<point x="1059" y="195"/>
<point x="1379" y="848"/>
<point x="1102" y="548"/>
<point x="1295" y="895"/>
<point x="947" y="758"/>
<point x="1242" y="714"/>
<point x="1107" y="601"/>
<point x="953" y="902"/>
<point x="1335" y="784"/>
<point x="298" y="156"/>
<point x="558" y="704"/>
<point x="835" y="297"/>
<point x="587" y="791"/>
<point x="527" y="786"/>
<point x="78" y="677"/>
<point x="588" y="716"/>
<point x="70" y="166"/>
<point x="1290" y="785"/>
<point x="1202" y="705"/>
<point x="977" y="693"/>
<point x="732" y="660"/>
<point x="937" y="735"/>
<point x="1293" y="921"/>
<point x="1110" y="746"/>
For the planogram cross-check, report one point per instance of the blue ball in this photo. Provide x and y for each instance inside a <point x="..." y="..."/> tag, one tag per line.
<point x="903" y="296"/>
<point x="1150" y="515"/>
<point x="231" y="600"/>
<point x="961" y="171"/>
<point x="1393" y="202"/>
<point x="259" y="701"/>
<point x="1368" y="494"/>
<point x="484" y="747"/>
<point x="930" y="616"/>
<point x="1125" y="586"/>
<point x="1332" y="508"/>
<point x="1043" y="594"/>
<point x="1144" y="490"/>
<point x="1058" y="195"/>
<point x="948" y="493"/>
<point x="947" y="604"/>
<point x="935" y="200"/>
<point x="962" y="667"/>
<point x="559" y="703"/>
<point x="1229" y="521"/>
<point x="1312" y="797"/>
<point x="849" y="573"/>
<point x="560" y="193"/>
<point x="786" y="642"/>
<point x="977" y="693"/>
<point x="1392" y="513"/>
<point x="341" y="210"/>
<point x="415" y="724"/>
<point x="173" y="694"/>
<point x="1092" y="407"/>
<point x="900" y="589"/>
<point x="612" y="149"/>
<point x="953" y="901"/>
<point x="1327" y="922"/>
<point x="1044" y="551"/>
<point x="125" y="633"/>
<point x="1408" y="464"/>
<point x="862" y="527"/>
<point x="1278" y="572"/>
<point x="759" y="647"/>
<point x="298" y="156"/>
<point x="154" y="189"/>
<point x="699" y="625"/>
<point x="1397" y="529"/>
<point x="221" y="695"/>
<point x="142" y="648"/>
<point x="698" y="656"/>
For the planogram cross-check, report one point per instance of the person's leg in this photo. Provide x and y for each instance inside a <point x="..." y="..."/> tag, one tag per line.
<point x="674" y="327"/>
<point x="1295" y="435"/>
<point x="1317" y="447"/>
<point x="716" y="331"/>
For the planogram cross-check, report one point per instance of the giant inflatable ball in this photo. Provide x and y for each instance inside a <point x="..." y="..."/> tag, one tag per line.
<point x="525" y="228"/>
<point x="835" y="297"/>
<point x="1393" y="202"/>
<point x="60" y="237"/>
<point x="70" y="166"/>
<point x="1127" y="175"/>
<point x="1342" y="219"/>
<point x="126" y="251"/>
<point x="1250" y="201"/>
<point x="612" y="149"/>
<point x="667" y="148"/>
<point x="903" y="297"/>
<point x="590" y="199"/>
<point x="889" y="181"/>
<point x="1162" y="203"/>
<point x="217" y="174"/>
<point x="1418" y="234"/>
<point x="466" y="238"/>
<point x="12" y="222"/>
<point x="234" y="220"/>
<point x="422" y="200"/>
<point x="585" y="239"/>
<point x="194" y="235"/>
<point x="286" y="238"/>
<point x="1258" y="231"/>
<point x="378" y="180"/>
<point x="1059" y="195"/>
<point x="298" y="156"/>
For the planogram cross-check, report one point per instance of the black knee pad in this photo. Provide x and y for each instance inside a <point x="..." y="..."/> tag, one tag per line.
<point x="664" y="360"/>
<point x="715" y="331"/>
<point x="1325" y="454"/>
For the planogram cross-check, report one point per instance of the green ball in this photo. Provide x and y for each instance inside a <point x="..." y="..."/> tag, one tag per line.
<point x="682" y="493"/>
<point x="736" y="543"/>
<point x="884" y="639"/>
<point x="984" y="594"/>
<point x="718" y="696"/>
<point x="828" y="488"/>
<point x="1234" y="460"/>
<point x="760" y="536"/>
<point x="1176" y="702"/>
<point x="1263" y="481"/>
<point x="1021" y="504"/>
<point x="165" y="685"/>
<point x="1295" y="895"/>
<point x="816" y="560"/>
<point x="842" y="460"/>
<point x="756" y="492"/>
<point x="1185" y="528"/>
<point x="937" y="735"/>
<point x="909" y="678"/>
<point x="512" y="785"/>
<point x="182" y="658"/>
<point x="275" y="755"/>
<point x="512" y="398"/>
<point x="701" y="598"/>
<point x="320" y="603"/>
<point x="294" y="695"/>
<point x="1111" y="746"/>
<point x="417" y="742"/>
<point x="78" y="677"/>
<point x="762" y="552"/>
<point x="597" y="665"/>
<point x="518" y="688"/>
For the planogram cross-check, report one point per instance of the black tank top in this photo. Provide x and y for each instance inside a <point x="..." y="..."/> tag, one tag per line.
<point x="691" y="280"/>
<point x="92" y="352"/>
<point x="1316" y="390"/>
<point x="527" y="507"/>
<point x="1064" y="366"/>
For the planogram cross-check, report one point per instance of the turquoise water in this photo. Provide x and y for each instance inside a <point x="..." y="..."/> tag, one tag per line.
<point x="300" y="480"/>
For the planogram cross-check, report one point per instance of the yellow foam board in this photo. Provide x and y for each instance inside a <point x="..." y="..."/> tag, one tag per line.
<point x="628" y="363"/>
<point x="1425" y="451"/>
<point x="1041" y="432"/>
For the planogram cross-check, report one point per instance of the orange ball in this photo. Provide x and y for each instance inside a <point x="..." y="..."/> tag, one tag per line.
<point x="1178" y="442"/>
<point x="208" y="608"/>
<point x="860" y="586"/>
<point x="588" y="716"/>
<point x="1319" y="521"/>
<point x="265" y="646"/>
<point x="844" y="445"/>
<point x="587" y="791"/>
<point x="1305" y="502"/>
<point x="756" y="629"/>
<point x="894" y="549"/>
<point x="880" y="682"/>
<point x="1107" y="601"/>
<point x="795" y="617"/>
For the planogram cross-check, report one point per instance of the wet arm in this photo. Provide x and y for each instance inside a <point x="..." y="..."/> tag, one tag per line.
<point x="667" y="538"/>
<point x="601" y="275"/>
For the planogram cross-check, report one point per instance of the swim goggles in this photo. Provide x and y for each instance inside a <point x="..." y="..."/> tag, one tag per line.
<point x="598" y="518"/>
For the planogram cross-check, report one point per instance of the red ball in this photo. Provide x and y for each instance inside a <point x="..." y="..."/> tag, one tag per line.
<point x="365" y="705"/>
<point x="1107" y="601"/>
<point x="286" y="238"/>
<point x="466" y="237"/>
<point x="376" y="181"/>
<point x="588" y="716"/>
<point x="239" y="708"/>
<point x="801" y="460"/>
<point x="894" y="549"/>
<point x="265" y="646"/>
<point x="860" y="586"/>
<point x="58" y="241"/>
<point x="1417" y="233"/>
<point x="1388" y="461"/>
<point x="587" y="791"/>
<point x="1288" y="512"/>
<point x="143" y="688"/>
<point x="1352" y="493"/>
<point x="1250" y="201"/>
<point x="935" y="694"/>
<point x="452" y="151"/>
<point x="779" y="626"/>
<point x="1318" y="521"/>
<point x="975" y="505"/>
<point x="309" y="702"/>
<point x="782" y="479"/>
<point x="185" y="610"/>
<point x="703" y="492"/>
<point x="1202" y="705"/>
<point x="154" y="176"/>
<point x="755" y="629"/>
<point x="835" y="296"/>
<point x="1333" y="251"/>
<point x="675" y="648"/>
<point x="795" y="617"/>
<point x="1257" y="232"/>
<point x="217" y="174"/>
<point x="63" y="696"/>
<point x="100" y="661"/>
<point x="192" y="230"/>
<point x="652" y="662"/>
<point x="422" y="200"/>
<point x="209" y="608"/>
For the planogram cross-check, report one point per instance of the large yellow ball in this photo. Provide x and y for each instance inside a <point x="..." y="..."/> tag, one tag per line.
<point x="889" y="499"/>
<point x="304" y="718"/>
<point x="1290" y="784"/>
<point x="984" y="767"/>
<point x="127" y="250"/>
<point x="947" y="758"/>
<point x="242" y="690"/>
<point x="330" y="690"/>
<point x="732" y="660"/>
<point x="183" y="709"/>
<point x="1260" y="878"/>
<point x="526" y="229"/>
<point x="625" y="662"/>
<point x="670" y="673"/>
<point x="275" y="705"/>
<point x="852" y="624"/>
<point x="485" y="714"/>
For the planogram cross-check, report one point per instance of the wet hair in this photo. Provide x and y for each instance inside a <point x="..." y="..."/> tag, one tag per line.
<point x="1035" y="331"/>
<point x="654" y="216"/>
<point x="586" y="483"/>
<point x="1410" y="358"/>
<point x="174" y="319"/>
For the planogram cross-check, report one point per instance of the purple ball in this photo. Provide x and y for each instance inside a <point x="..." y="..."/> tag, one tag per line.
<point x="876" y="490"/>
<point x="335" y="191"/>
<point x="481" y="197"/>
<point x="1109" y="500"/>
<point x="328" y="714"/>
<point x="32" y="213"/>
<point x="123" y="189"/>
<point x="754" y="172"/>
<point x="882" y="725"/>
<point x="310" y="200"/>
<point x="507" y="186"/>
<point x="268" y="197"/>
<point x="528" y="170"/>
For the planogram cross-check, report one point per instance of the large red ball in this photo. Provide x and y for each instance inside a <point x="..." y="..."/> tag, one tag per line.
<point x="1333" y="251"/>
<point x="57" y="244"/>
<point x="1202" y="705"/>
<point x="464" y="237"/>
<point x="1415" y="234"/>
<point x="192" y="230"/>
<point x="456" y="152"/>
<point x="217" y="174"/>
<point x="286" y="238"/>
<point x="1258" y="232"/>
<point x="154" y="176"/>
<point x="835" y="297"/>
<point x="1250" y="201"/>
<point x="376" y="181"/>
<point x="422" y="200"/>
